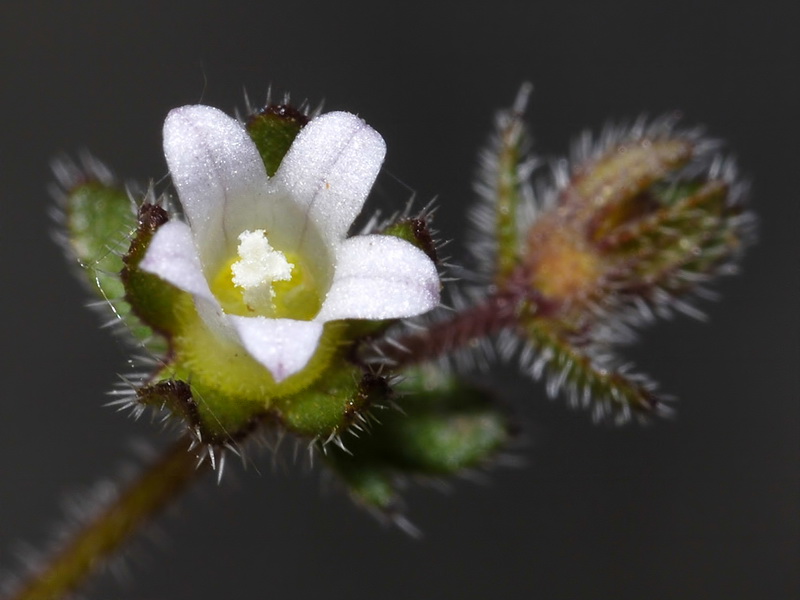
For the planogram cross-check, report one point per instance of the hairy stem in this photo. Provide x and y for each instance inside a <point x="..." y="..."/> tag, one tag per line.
<point x="100" y="537"/>
<point x="464" y="328"/>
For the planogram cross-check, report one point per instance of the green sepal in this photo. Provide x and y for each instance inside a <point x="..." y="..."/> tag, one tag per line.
<point x="689" y="228"/>
<point x="509" y="197"/>
<point x="153" y="300"/>
<point x="613" y="190"/>
<point x="503" y="175"/>
<point x="170" y="394"/>
<point x="273" y="130"/>
<point x="332" y="403"/>
<point x="198" y="408"/>
<point x="443" y="427"/>
<point x="608" y="392"/>
<point x="227" y="392"/>
<point x="692" y="233"/>
<point x="325" y="409"/>
<point x="214" y="420"/>
<point x="416" y="232"/>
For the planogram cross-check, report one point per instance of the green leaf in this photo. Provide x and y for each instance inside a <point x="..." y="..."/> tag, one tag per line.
<point x="369" y="483"/>
<point x="442" y="428"/>
<point x="445" y="426"/>
<point x="100" y="219"/>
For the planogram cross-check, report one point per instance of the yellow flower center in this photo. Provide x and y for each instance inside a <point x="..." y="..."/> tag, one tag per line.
<point x="263" y="281"/>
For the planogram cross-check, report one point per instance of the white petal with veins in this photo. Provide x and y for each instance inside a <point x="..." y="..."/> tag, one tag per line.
<point x="380" y="277"/>
<point x="216" y="169"/>
<point x="172" y="256"/>
<point x="329" y="170"/>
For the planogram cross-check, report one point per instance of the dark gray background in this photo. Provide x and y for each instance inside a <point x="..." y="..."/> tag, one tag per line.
<point x="702" y="507"/>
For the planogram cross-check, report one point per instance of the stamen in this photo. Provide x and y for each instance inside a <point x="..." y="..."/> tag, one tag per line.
<point x="258" y="267"/>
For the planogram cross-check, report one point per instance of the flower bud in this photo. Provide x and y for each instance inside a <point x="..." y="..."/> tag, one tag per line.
<point x="636" y="227"/>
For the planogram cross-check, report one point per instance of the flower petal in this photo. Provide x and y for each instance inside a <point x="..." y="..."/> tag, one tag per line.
<point x="172" y="256"/>
<point x="284" y="346"/>
<point x="380" y="277"/>
<point x="330" y="169"/>
<point x="216" y="169"/>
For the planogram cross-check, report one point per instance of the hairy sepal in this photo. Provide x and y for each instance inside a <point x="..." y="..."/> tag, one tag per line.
<point x="589" y="379"/>
<point x="503" y="186"/>
<point x="332" y="404"/>
<point x="321" y="412"/>
<point x="273" y="129"/>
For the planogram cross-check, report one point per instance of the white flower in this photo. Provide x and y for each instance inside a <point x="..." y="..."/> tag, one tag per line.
<point x="267" y="260"/>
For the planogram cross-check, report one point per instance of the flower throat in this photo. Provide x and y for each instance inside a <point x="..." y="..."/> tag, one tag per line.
<point x="262" y="281"/>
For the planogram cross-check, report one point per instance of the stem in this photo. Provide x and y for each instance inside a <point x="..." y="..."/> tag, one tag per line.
<point x="464" y="328"/>
<point x="136" y="505"/>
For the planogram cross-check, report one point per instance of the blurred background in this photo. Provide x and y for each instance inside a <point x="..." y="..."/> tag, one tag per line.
<point x="704" y="506"/>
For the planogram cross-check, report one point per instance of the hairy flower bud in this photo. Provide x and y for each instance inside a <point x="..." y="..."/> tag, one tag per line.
<point x="633" y="227"/>
<point x="639" y="224"/>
